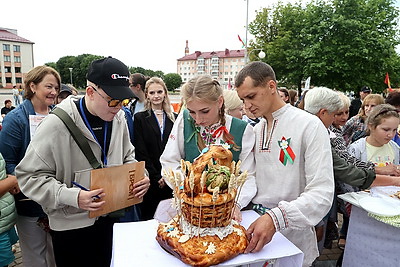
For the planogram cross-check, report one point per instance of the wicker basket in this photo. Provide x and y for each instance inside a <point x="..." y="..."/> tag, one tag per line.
<point x="208" y="216"/>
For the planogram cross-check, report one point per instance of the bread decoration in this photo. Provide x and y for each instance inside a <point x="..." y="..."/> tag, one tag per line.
<point x="205" y="192"/>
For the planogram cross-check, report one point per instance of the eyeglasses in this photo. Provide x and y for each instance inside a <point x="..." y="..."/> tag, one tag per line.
<point x="113" y="102"/>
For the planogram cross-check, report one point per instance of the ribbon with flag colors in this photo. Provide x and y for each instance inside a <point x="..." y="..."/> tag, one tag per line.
<point x="287" y="153"/>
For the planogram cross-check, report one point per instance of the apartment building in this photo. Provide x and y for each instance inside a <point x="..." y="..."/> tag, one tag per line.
<point x="221" y="65"/>
<point x="16" y="58"/>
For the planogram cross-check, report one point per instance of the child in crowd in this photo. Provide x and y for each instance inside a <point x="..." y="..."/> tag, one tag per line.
<point x="378" y="147"/>
<point x="8" y="214"/>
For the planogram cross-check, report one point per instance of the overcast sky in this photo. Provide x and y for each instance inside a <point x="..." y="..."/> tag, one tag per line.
<point x="148" y="33"/>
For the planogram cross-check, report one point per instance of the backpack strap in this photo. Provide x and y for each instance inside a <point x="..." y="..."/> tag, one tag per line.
<point x="78" y="137"/>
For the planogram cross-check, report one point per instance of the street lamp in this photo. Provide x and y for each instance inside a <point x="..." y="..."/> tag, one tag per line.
<point x="260" y="55"/>
<point x="70" y="74"/>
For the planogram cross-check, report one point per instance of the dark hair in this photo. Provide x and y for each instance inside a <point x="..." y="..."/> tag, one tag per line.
<point x="138" y="78"/>
<point x="7" y="101"/>
<point x="258" y="71"/>
<point x="393" y="98"/>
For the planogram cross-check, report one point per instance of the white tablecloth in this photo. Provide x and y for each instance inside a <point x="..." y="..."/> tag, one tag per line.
<point x="134" y="244"/>
<point x="369" y="242"/>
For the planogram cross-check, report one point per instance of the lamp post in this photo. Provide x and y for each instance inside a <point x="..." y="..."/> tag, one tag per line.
<point x="70" y="74"/>
<point x="246" y="58"/>
<point x="260" y="55"/>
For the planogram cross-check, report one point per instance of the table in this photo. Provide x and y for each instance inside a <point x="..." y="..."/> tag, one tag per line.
<point x="134" y="244"/>
<point x="369" y="242"/>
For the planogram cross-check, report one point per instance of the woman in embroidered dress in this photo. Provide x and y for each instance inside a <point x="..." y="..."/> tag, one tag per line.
<point x="204" y="123"/>
<point x="151" y="130"/>
<point x="355" y="127"/>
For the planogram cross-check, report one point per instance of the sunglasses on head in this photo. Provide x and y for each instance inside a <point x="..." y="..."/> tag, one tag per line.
<point x="112" y="102"/>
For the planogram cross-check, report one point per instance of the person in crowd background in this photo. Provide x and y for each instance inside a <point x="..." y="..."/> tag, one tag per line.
<point x="378" y="147"/>
<point x="393" y="98"/>
<point x="15" y="93"/>
<point x="249" y="117"/>
<point x="284" y="94"/>
<point x="296" y="191"/>
<point x="356" y="103"/>
<point x="7" y="107"/>
<point x="355" y="127"/>
<point x="47" y="171"/>
<point x="233" y="104"/>
<point x="203" y="123"/>
<point x="8" y="214"/>
<point x="137" y="83"/>
<point x="42" y="85"/>
<point x="151" y="130"/>
<point x="293" y="96"/>
<point x="65" y="91"/>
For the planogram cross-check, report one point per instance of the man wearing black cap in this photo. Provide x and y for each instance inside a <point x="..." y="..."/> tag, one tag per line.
<point x="53" y="161"/>
<point x="355" y="104"/>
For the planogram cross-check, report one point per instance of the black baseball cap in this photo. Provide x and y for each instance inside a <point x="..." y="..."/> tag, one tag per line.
<point x="65" y="88"/>
<point x="112" y="76"/>
<point x="366" y="89"/>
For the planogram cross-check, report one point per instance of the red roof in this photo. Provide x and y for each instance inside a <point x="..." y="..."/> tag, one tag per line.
<point x="221" y="54"/>
<point x="9" y="36"/>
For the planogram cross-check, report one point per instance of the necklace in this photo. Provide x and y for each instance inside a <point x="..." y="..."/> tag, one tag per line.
<point x="158" y="112"/>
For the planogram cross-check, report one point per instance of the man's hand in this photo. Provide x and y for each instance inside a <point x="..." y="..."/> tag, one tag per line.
<point x="140" y="188"/>
<point x="236" y="215"/>
<point x="260" y="233"/>
<point x="87" y="200"/>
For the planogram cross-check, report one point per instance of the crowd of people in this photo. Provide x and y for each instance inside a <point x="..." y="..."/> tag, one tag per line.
<point x="297" y="160"/>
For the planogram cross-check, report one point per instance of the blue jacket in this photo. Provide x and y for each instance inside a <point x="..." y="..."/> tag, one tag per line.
<point x="14" y="140"/>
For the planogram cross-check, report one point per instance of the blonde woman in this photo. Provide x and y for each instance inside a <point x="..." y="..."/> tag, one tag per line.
<point x="204" y="122"/>
<point x="355" y="127"/>
<point x="233" y="104"/>
<point x="151" y="130"/>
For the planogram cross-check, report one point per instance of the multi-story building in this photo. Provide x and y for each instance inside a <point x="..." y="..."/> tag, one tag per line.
<point x="221" y="65"/>
<point x="16" y="58"/>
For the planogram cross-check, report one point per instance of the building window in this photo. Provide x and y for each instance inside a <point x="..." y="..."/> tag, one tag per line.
<point x="7" y="59"/>
<point x="8" y="79"/>
<point x="7" y="69"/>
<point x="17" y="48"/>
<point x="18" y="80"/>
<point x="17" y="69"/>
<point x="17" y="59"/>
<point x="6" y="47"/>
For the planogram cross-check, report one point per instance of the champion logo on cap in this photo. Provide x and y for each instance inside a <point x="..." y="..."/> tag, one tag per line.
<point x="117" y="76"/>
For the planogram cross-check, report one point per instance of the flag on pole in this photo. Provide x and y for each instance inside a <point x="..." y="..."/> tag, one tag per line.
<point x="240" y="39"/>
<point x="387" y="80"/>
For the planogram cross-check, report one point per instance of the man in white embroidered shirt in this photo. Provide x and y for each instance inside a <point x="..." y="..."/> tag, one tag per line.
<point x="294" y="178"/>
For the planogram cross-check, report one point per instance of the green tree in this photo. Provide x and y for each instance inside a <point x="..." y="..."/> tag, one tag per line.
<point x="341" y="44"/>
<point x="172" y="81"/>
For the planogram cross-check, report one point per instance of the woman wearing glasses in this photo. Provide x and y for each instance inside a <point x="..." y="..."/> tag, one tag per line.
<point x="203" y="123"/>
<point x="42" y="85"/>
<point x="151" y="130"/>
